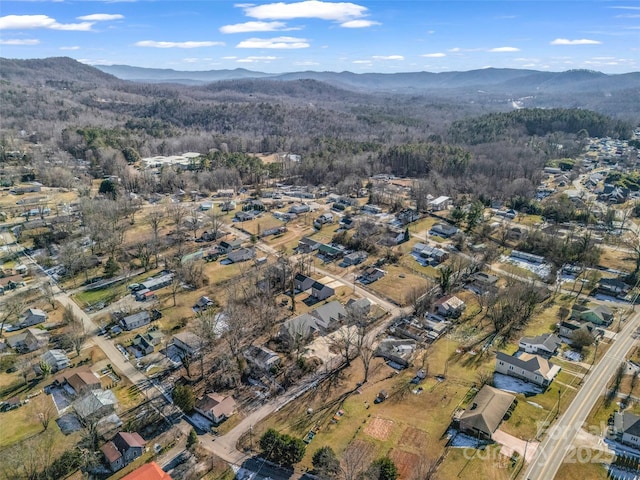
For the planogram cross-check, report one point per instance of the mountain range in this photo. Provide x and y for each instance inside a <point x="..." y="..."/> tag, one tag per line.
<point x="490" y="79"/>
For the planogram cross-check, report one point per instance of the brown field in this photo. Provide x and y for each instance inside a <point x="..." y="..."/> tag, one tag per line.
<point x="379" y="428"/>
<point x="405" y="461"/>
<point x="413" y="437"/>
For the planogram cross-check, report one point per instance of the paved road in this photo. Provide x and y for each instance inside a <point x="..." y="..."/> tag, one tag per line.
<point x="559" y="438"/>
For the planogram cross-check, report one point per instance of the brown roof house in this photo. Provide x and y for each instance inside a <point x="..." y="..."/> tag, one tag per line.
<point x="216" y="407"/>
<point x="528" y="367"/>
<point x="123" y="449"/>
<point x="83" y="381"/>
<point x="485" y="413"/>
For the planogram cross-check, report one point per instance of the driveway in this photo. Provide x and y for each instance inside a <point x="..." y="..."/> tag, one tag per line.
<point x="512" y="444"/>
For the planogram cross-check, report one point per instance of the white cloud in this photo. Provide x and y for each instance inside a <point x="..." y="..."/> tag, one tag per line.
<point x="455" y="49"/>
<point x="190" y="60"/>
<point x="155" y="44"/>
<point x="625" y="8"/>
<point x="436" y="55"/>
<point x="359" y="24"/>
<point x="23" y="22"/>
<point x="20" y="41"/>
<point x="582" y="41"/>
<point x="74" y="47"/>
<point x="388" y="57"/>
<point x="101" y="17"/>
<point x="629" y="15"/>
<point x="253" y="59"/>
<point x="504" y="49"/>
<point x="276" y="43"/>
<point x="306" y="63"/>
<point x="335" y="11"/>
<point x="362" y="62"/>
<point x="254" y="27"/>
<point x="229" y="58"/>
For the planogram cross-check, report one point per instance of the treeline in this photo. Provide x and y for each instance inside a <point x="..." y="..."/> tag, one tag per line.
<point x="539" y="122"/>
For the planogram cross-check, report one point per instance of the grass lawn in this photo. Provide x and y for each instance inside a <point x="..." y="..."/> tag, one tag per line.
<point x="582" y="471"/>
<point x="617" y="260"/>
<point x="474" y="464"/>
<point x="258" y="225"/>
<point x="397" y="284"/>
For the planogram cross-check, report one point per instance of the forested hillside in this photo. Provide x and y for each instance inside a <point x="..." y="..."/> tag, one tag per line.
<point x="61" y="112"/>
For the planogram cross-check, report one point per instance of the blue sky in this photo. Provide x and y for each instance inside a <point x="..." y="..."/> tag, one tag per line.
<point x="359" y="36"/>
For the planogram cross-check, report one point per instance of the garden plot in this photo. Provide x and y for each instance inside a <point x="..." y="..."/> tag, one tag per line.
<point x="379" y="428"/>
<point x="515" y="385"/>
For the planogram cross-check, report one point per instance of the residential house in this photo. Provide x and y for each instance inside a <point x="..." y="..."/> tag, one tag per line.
<point x="528" y="367"/>
<point x="302" y="283"/>
<point x="148" y="471"/>
<point x="449" y="306"/>
<point x="261" y="357"/>
<point x="56" y="359"/>
<point x="216" y="407"/>
<point x="307" y="245"/>
<point x="626" y="426"/>
<point x="354" y="258"/>
<point x="360" y="307"/>
<point x="485" y="413"/>
<point x="10" y="283"/>
<point x="188" y="342"/>
<point x="321" y="291"/>
<point x="154" y="337"/>
<point x="440" y="203"/>
<point x="245" y="216"/>
<point x="430" y="255"/>
<point x="613" y="287"/>
<point x="436" y="326"/>
<point x="568" y="327"/>
<point x="123" y="449"/>
<point x="407" y="216"/>
<point x="95" y="404"/>
<point x="142" y="344"/>
<point x="204" y="206"/>
<point x="397" y="351"/>
<point x="481" y="283"/>
<point x="319" y="321"/>
<point x="347" y="223"/>
<point x="81" y="380"/>
<point x="323" y="219"/>
<point x="443" y="230"/>
<point x="29" y="340"/>
<point x="371" y="209"/>
<point x="527" y="257"/>
<point x="156" y="283"/>
<point x="599" y="315"/>
<point x="371" y="275"/>
<point x="228" y="206"/>
<point x="227" y="246"/>
<point x="136" y="320"/>
<point x="546" y="344"/>
<point x="299" y="209"/>
<point x="33" y="316"/>
<point x="241" y="255"/>
<point x="330" y="252"/>
<point x="202" y="304"/>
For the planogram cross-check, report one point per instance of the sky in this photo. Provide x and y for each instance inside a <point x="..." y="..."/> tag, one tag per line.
<point x="360" y="36"/>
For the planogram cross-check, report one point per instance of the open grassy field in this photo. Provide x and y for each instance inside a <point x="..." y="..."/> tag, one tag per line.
<point x="466" y="463"/>
<point x="398" y="285"/>
<point x="582" y="471"/>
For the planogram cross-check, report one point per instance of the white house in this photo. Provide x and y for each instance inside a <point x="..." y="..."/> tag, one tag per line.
<point x="261" y="357"/>
<point x="440" y="203"/>
<point x="188" y="342"/>
<point x="627" y="427"/>
<point x="56" y="359"/>
<point x="528" y="367"/>
<point x="545" y="344"/>
<point x="449" y="306"/>
<point x="216" y="407"/>
<point x="136" y="320"/>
